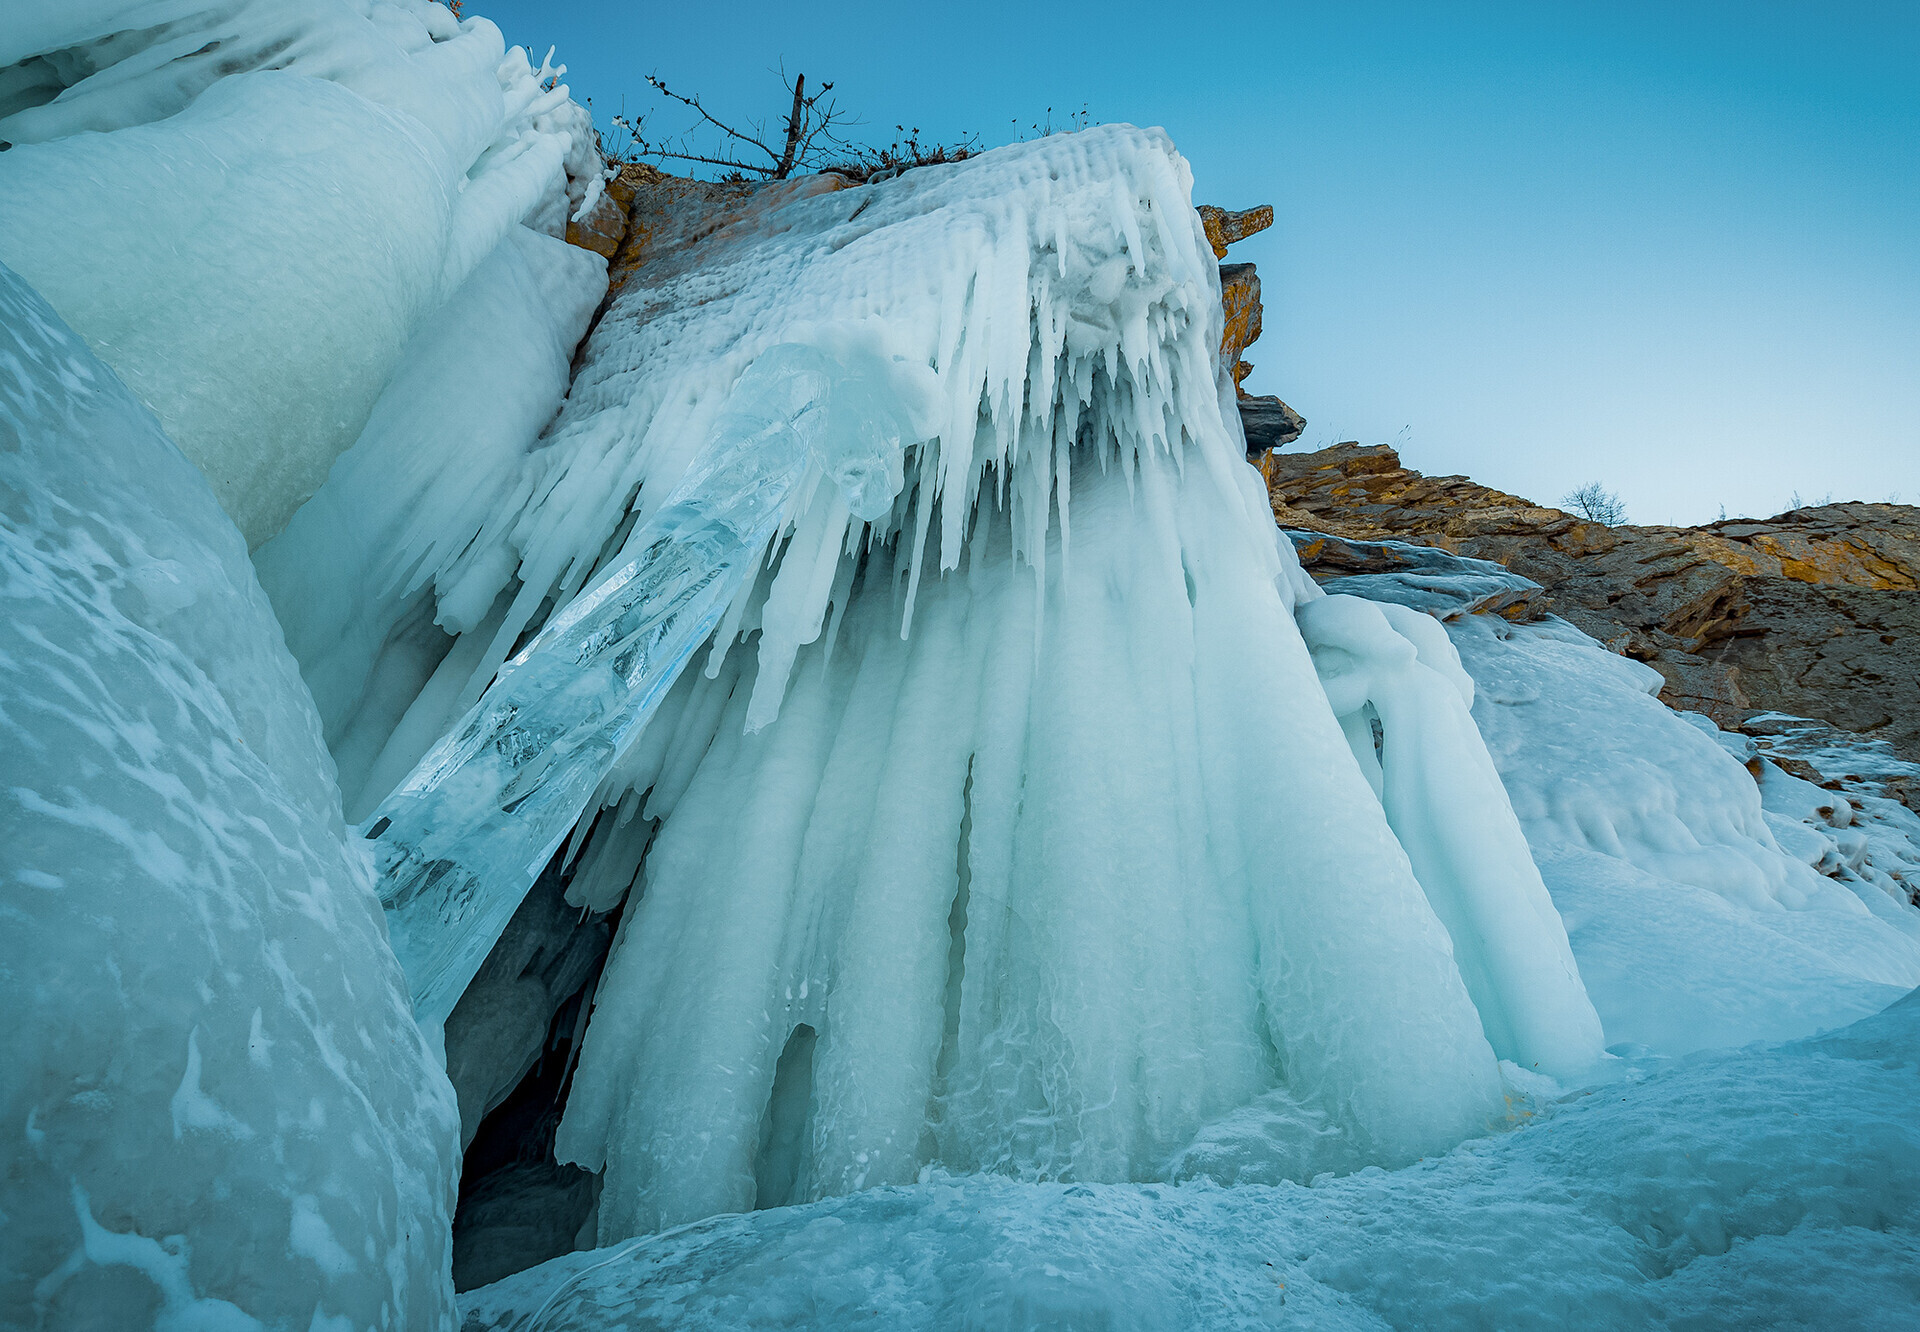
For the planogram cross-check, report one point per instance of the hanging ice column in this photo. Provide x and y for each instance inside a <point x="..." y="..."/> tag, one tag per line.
<point x="466" y="834"/>
<point x="1388" y="665"/>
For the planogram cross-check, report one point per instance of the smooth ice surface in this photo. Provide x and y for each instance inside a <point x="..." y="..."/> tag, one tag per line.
<point x="1390" y="666"/>
<point x="1694" y="921"/>
<point x="247" y="206"/>
<point x="1775" y="1187"/>
<point x="216" y="1104"/>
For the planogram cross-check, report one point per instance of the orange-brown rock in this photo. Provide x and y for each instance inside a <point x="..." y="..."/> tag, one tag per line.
<point x="1813" y="612"/>
<point x="1240" y="299"/>
<point x="1268" y="422"/>
<point x="672" y="219"/>
<point x="605" y="225"/>
<point x="1224" y="228"/>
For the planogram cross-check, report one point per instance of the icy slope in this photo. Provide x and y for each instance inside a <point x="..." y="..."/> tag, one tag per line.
<point x="1695" y="923"/>
<point x="1774" y="1187"/>
<point x="246" y="206"/>
<point x="216" y="1103"/>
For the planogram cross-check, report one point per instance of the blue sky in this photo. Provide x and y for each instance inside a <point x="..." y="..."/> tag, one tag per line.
<point x="1672" y="247"/>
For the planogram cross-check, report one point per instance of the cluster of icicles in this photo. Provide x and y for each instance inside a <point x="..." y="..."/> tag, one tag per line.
<point x="1013" y="821"/>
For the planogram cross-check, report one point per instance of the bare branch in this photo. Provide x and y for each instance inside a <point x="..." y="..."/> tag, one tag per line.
<point x="722" y="126"/>
<point x="801" y="107"/>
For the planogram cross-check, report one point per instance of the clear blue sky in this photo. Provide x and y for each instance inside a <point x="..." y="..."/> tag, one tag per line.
<point x="1674" y="247"/>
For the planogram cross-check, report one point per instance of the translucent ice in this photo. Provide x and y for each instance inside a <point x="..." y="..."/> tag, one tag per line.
<point x="217" y="1108"/>
<point x="462" y="839"/>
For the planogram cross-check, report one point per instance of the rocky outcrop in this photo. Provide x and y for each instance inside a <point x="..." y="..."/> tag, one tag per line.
<point x="1815" y="613"/>
<point x="1267" y="421"/>
<point x="1224" y="228"/>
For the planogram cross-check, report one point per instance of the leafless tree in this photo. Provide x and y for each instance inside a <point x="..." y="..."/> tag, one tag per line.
<point x="1596" y="504"/>
<point x="808" y="134"/>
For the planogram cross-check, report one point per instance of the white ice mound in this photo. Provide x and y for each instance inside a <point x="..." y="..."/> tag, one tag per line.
<point x="246" y="206"/>
<point x="1020" y="836"/>
<point x="1771" y="1187"/>
<point x="1697" y="918"/>
<point x="218" y="1109"/>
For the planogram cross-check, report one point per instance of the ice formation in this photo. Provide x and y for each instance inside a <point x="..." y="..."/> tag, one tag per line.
<point x="294" y="187"/>
<point x="1697" y="918"/>
<point x="1035" y="885"/>
<point x="217" y="1108"/>
<point x="466" y="834"/>
<point x="1772" y="1187"/>
<point x="875" y="629"/>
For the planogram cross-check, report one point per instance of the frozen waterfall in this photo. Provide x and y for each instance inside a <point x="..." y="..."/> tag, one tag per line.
<point x="1007" y="825"/>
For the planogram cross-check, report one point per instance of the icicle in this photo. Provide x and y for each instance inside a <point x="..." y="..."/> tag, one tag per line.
<point x="462" y="839"/>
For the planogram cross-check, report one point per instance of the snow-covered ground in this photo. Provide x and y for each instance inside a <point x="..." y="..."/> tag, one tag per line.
<point x="1777" y="1186"/>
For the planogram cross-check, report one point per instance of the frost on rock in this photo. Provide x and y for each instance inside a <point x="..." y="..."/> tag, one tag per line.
<point x="218" y="1109"/>
<point x="1006" y="826"/>
<point x="247" y="206"/>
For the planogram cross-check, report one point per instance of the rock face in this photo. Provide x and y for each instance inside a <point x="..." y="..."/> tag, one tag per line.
<point x="1814" y="612"/>
<point x="1268" y="422"/>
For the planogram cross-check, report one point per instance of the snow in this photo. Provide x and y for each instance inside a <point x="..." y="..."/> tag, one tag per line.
<point x="1696" y="915"/>
<point x="1775" y="1186"/>
<point x="218" y="1106"/>
<point x="247" y="206"/>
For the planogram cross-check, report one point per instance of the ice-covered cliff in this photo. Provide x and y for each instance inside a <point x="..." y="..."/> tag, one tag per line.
<point x="849" y="729"/>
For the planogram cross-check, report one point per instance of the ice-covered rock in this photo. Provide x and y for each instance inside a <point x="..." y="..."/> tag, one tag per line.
<point x="217" y="1108"/>
<point x="1032" y="886"/>
<point x="1696" y="917"/>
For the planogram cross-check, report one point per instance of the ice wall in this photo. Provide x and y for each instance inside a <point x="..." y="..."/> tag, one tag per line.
<point x="1008" y="826"/>
<point x="218" y="1110"/>
<point x="247" y="206"/>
